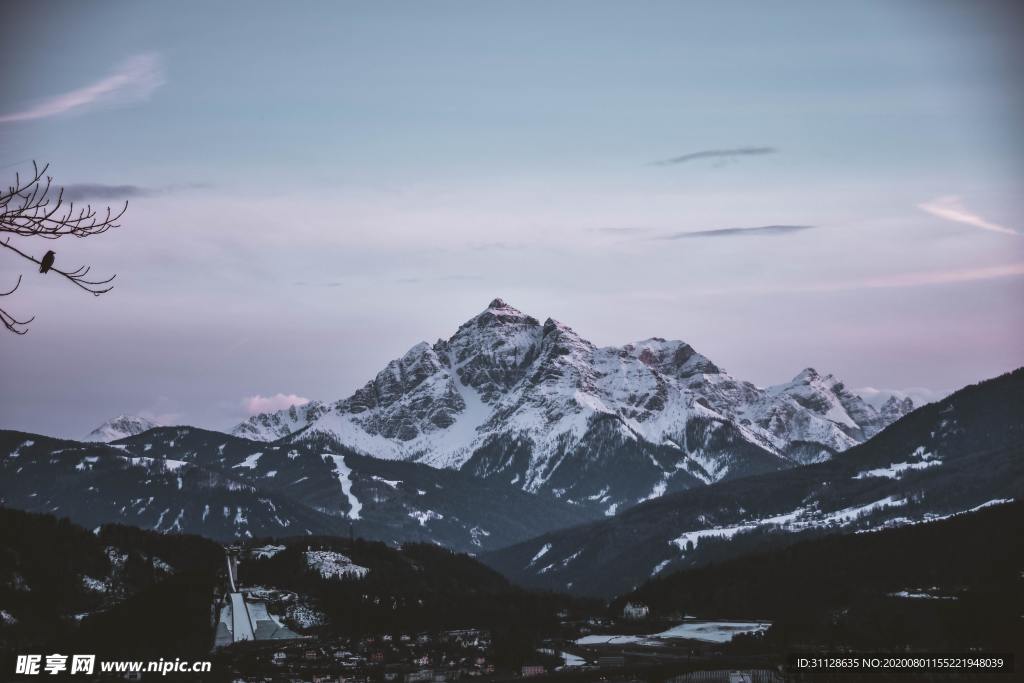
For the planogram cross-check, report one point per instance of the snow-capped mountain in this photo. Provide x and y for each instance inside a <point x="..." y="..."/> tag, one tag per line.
<point x="119" y="428"/>
<point x="273" y="426"/>
<point x="536" y="405"/>
<point x="895" y="408"/>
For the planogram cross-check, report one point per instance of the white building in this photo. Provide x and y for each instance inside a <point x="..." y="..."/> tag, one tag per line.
<point x="636" y="610"/>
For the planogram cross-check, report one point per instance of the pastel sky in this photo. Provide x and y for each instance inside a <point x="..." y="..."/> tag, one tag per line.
<point x="315" y="187"/>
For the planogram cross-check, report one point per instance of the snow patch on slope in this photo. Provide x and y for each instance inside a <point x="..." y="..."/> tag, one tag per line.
<point x="345" y="479"/>
<point x="333" y="565"/>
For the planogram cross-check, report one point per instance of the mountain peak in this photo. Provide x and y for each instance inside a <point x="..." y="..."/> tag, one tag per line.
<point x="120" y="427"/>
<point x="498" y="315"/>
<point x="674" y="357"/>
<point x="500" y="310"/>
<point x="806" y="375"/>
<point x="896" y="407"/>
<point x="512" y="397"/>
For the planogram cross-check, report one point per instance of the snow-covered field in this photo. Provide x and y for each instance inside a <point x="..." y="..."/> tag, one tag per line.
<point x="921" y="594"/>
<point x="572" y="660"/>
<point x="796" y="520"/>
<point x="332" y="565"/>
<point x="691" y="629"/>
<point x="896" y="469"/>
<point x="714" y="631"/>
<point x="615" y="640"/>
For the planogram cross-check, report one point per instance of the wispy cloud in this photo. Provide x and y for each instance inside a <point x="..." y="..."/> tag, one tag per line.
<point x="440" y="278"/>
<point x="77" y="192"/>
<point x="739" y="232"/>
<point x="891" y="281"/>
<point x="82" y="191"/>
<point x="134" y="80"/>
<point x="725" y="154"/>
<point x="951" y="208"/>
<point x="941" y="277"/>
<point x="619" y="231"/>
<point x="254" y="405"/>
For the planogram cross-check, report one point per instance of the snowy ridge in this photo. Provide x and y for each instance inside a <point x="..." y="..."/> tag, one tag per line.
<point x="535" y="404"/>
<point x="273" y="426"/>
<point x="120" y="427"/>
<point x="797" y="520"/>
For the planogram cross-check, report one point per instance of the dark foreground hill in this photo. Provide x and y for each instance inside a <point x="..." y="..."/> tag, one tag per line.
<point x="951" y="585"/>
<point x="118" y="590"/>
<point x="130" y="593"/>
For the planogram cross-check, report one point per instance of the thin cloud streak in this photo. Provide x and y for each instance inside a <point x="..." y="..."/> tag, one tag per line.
<point x="81" y="191"/>
<point x="618" y="231"/>
<point x="739" y="232"/>
<point x="897" y="280"/>
<point x="951" y="208"/>
<point x="716" y="154"/>
<point x="136" y="79"/>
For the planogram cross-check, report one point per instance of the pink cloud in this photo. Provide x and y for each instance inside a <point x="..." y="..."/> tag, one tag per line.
<point x="895" y="280"/>
<point x="135" y="79"/>
<point x="254" y="405"/>
<point x="940" y="277"/>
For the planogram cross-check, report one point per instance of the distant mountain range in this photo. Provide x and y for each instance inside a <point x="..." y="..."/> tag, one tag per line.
<point x="963" y="453"/>
<point x="534" y="405"/>
<point x="188" y="480"/>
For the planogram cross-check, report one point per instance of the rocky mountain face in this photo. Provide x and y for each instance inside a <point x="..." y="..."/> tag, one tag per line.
<point x="120" y="427"/>
<point x="535" y="405"/>
<point x="895" y="408"/>
<point x="273" y="426"/>
<point x="957" y="455"/>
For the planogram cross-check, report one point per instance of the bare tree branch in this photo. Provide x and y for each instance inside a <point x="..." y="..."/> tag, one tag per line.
<point x="77" y="276"/>
<point x="27" y="209"/>
<point x="9" y="321"/>
<point x="13" y="289"/>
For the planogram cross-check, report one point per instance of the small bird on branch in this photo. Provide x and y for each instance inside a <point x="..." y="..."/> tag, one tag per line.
<point x="28" y="208"/>
<point x="47" y="261"/>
